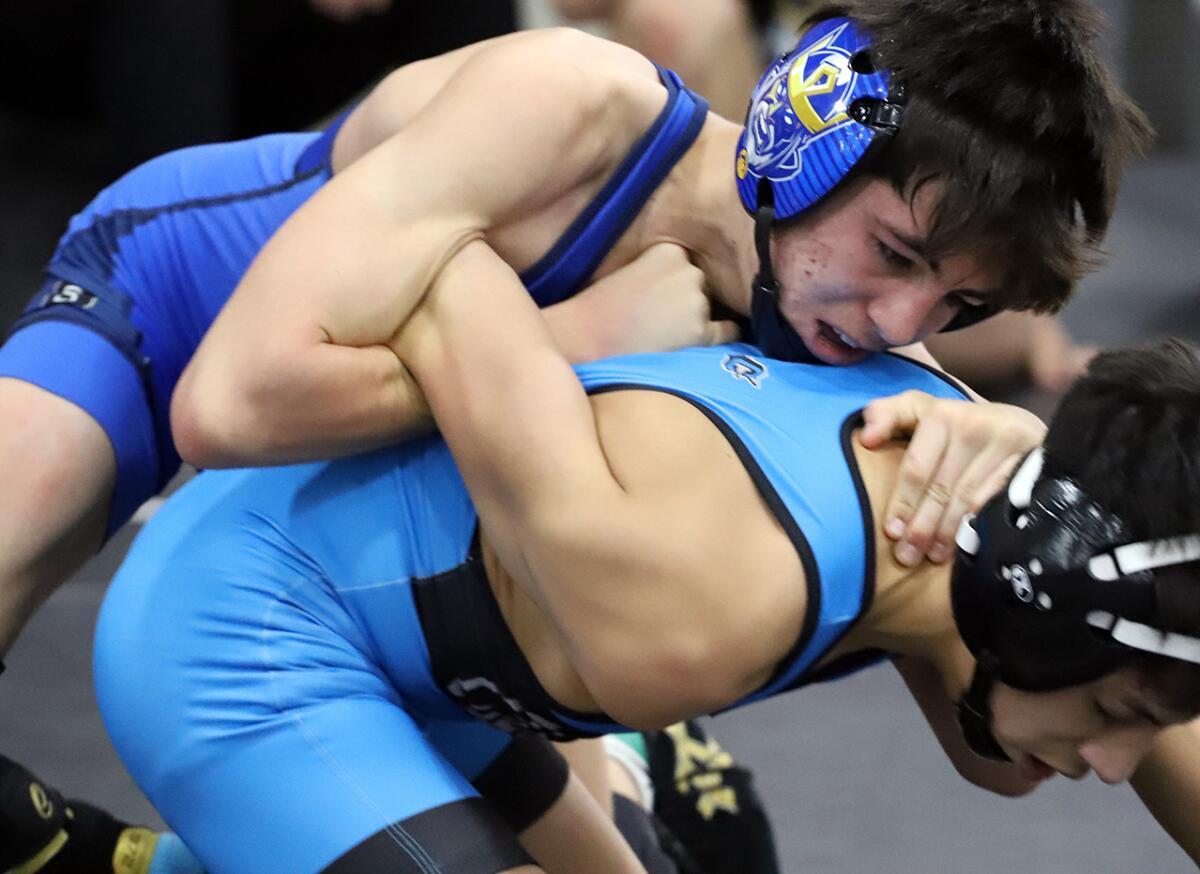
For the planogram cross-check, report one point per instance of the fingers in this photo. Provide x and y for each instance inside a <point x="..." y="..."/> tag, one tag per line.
<point x="921" y="491"/>
<point x="892" y="418"/>
<point x="932" y="533"/>
<point x="959" y="455"/>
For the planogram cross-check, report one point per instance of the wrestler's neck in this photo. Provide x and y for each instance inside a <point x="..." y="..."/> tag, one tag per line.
<point x="911" y="613"/>
<point x="697" y="206"/>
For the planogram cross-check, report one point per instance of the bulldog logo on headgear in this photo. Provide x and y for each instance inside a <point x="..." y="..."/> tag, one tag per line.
<point x="744" y="367"/>
<point x="813" y="115"/>
<point x="804" y="97"/>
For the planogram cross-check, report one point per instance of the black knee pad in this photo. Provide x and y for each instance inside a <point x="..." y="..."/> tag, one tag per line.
<point x="524" y="781"/>
<point x="463" y="837"/>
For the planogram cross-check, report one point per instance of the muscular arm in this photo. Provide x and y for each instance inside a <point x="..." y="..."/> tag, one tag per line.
<point x="636" y="578"/>
<point x="1168" y="782"/>
<point x="298" y="365"/>
<point x="576" y="836"/>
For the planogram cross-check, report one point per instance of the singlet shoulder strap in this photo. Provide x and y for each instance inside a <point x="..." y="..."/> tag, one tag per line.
<point x="319" y="153"/>
<point x="574" y="258"/>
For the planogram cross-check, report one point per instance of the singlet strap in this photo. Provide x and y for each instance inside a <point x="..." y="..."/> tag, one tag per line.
<point x="577" y="254"/>
<point x="319" y="153"/>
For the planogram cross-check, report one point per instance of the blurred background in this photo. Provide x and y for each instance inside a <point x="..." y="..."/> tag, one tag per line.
<point x="853" y="780"/>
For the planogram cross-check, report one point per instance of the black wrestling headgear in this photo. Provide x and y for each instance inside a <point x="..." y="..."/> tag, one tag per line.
<point x="1048" y="592"/>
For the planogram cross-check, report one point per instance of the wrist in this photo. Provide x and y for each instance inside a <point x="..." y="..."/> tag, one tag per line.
<point x="571" y="331"/>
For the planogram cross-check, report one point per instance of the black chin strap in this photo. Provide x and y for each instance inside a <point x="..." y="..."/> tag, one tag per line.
<point x="772" y="333"/>
<point x="975" y="712"/>
<point x="765" y="282"/>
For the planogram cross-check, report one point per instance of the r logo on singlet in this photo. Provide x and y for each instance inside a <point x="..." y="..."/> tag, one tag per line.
<point x="744" y="367"/>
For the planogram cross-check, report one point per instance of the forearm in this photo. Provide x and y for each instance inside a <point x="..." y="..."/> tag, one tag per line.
<point x="576" y="836"/>
<point x="504" y="397"/>
<point x="335" y="401"/>
<point x="589" y="762"/>
<point x="326" y="401"/>
<point x="526" y="441"/>
<point x="1168" y="782"/>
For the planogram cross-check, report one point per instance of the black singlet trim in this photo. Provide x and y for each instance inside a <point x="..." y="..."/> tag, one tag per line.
<point x="853" y="660"/>
<point x="951" y="381"/>
<point x="462" y="837"/>
<point x="849" y="425"/>
<point x="509" y="666"/>
<point x="105" y="232"/>
<point x="766" y="490"/>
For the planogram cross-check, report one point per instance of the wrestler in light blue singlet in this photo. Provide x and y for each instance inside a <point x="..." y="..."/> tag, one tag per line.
<point x="320" y="641"/>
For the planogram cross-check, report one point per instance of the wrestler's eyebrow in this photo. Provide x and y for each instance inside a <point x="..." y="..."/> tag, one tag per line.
<point x="920" y="248"/>
<point x="917" y="246"/>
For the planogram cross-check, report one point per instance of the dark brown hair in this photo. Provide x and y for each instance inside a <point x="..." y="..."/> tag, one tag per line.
<point x="1011" y="110"/>
<point x="1128" y="432"/>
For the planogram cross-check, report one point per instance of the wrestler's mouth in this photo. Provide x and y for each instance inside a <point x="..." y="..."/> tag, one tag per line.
<point x="835" y="346"/>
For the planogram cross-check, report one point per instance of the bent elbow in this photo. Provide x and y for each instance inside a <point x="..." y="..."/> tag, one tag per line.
<point x="208" y="427"/>
<point x="653" y="687"/>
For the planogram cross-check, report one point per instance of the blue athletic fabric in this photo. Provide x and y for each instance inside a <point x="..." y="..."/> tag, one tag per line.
<point x="142" y="271"/>
<point x="572" y="260"/>
<point x="137" y="279"/>
<point x="261" y="663"/>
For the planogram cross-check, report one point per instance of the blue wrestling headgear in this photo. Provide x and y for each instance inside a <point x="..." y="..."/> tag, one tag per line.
<point x="1047" y="592"/>
<point x="814" y="116"/>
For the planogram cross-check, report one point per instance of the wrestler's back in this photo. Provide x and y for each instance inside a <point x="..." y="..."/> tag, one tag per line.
<point x="621" y="96"/>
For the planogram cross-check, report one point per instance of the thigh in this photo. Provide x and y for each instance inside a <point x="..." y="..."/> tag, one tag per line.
<point x="58" y="470"/>
<point x="82" y="377"/>
<point x="250" y="708"/>
<point x="346" y="786"/>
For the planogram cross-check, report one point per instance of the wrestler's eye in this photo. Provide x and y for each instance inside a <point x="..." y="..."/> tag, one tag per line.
<point x="892" y="258"/>
<point x="1106" y="715"/>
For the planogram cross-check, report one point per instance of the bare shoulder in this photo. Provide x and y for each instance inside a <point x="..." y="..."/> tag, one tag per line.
<point x="713" y="522"/>
<point x="578" y="78"/>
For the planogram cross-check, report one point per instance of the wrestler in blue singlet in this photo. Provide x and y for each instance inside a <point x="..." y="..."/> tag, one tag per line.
<point x="297" y="663"/>
<point x="141" y="273"/>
